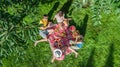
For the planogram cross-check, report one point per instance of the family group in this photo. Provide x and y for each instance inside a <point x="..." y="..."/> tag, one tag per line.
<point x="62" y="37"/>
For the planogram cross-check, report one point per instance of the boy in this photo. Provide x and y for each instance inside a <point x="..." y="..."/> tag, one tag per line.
<point x="43" y="30"/>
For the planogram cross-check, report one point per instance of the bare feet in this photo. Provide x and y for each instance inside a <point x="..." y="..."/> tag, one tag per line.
<point x="76" y="55"/>
<point x="52" y="60"/>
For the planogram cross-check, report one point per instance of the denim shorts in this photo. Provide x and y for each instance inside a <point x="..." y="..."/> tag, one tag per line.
<point x="43" y="33"/>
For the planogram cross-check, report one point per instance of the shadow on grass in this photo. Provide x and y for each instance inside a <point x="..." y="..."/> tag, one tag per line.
<point x="70" y="11"/>
<point x="66" y="7"/>
<point x="53" y="9"/>
<point x="89" y="61"/>
<point x="109" y="62"/>
<point x="84" y="25"/>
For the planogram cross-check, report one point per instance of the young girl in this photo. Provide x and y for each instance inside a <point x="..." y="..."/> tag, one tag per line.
<point x="78" y="43"/>
<point x="69" y="32"/>
<point x="59" y="17"/>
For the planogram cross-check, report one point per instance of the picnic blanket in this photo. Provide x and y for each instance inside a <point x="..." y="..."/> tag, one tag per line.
<point x="60" y="38"/>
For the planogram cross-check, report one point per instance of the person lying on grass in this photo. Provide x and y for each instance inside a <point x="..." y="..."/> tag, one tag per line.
<point x="43" y="30"/>
<point x="56" y="34"/>
<point x="65" y="51"/>
<point x="60" y="17"/>
<point x="78" y="43"/>
<point x="52" y="28"/>
<point x="59" y="30"/>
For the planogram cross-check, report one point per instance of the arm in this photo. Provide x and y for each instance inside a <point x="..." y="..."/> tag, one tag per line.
<point x="76" y="39"/>
<point x="51" y="27"/>
<point x="54" y="18"/>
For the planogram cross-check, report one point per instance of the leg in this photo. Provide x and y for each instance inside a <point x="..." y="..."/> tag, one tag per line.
<point x="42" y="40"/>
<point x="53" y="59"/>
<point x="76" y="54"/>
<point x="52" y="49"/>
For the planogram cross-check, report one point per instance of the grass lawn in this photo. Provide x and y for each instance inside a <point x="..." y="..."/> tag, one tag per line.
<point x="101" y="41"/>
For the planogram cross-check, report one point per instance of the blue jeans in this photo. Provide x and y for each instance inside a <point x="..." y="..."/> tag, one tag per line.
<point x="43" y="33"/>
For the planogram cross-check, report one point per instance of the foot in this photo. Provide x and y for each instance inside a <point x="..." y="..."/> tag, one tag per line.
<point x="35" y="43"/>
<point x="76" y="55"/>
<point x="52" y="61"/>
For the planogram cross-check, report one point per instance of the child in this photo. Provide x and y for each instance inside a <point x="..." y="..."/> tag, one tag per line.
<point x="78" y="43"/>
<point x="59" y="17"/>
<point x="43" y="30"/>
<point x="65" y="51"/>
<point x="58" y="55"/>
<point x="50" y="31"/>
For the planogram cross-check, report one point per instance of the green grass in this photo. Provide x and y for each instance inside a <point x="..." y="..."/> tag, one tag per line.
<point x="101" y="42"/>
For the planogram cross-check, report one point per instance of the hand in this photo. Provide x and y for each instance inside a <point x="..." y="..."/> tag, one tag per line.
<point x="42" y="28"/>
<point x="69" y="19"/>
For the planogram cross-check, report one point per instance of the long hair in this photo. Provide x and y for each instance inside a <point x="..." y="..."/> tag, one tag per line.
<point x="60" y="13"/>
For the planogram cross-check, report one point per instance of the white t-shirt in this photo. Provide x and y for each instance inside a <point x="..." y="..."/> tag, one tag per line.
<point x="59" y="19"/>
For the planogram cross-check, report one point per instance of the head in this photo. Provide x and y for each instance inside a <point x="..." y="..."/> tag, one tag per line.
<point x="60" y="13"/>
<point x="76" y="34"/>
<point x="45" y="17"/>
<point x="72" y="28"/>
<point x="80" y="38"/>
